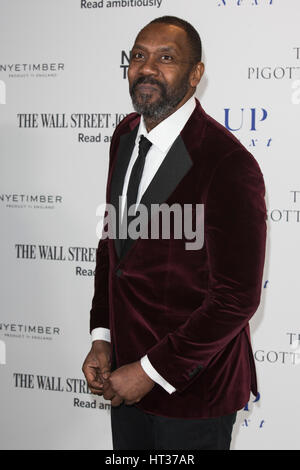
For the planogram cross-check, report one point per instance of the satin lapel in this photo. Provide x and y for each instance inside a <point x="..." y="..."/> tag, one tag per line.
<point x="126" y="146"/>
<point x="173" y="168"/>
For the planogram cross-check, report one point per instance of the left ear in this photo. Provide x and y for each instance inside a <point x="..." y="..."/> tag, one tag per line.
<point x="196" y="74"/>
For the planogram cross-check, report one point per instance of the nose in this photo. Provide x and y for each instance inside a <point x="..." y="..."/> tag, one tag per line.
<point x="149" y="66"/>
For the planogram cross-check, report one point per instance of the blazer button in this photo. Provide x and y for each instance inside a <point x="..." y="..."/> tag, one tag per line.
<point x="119" y="272"/>
<point x="195" y="371"/>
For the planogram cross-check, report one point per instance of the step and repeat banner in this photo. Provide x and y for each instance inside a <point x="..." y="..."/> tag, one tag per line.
<point x="63" y="90"/>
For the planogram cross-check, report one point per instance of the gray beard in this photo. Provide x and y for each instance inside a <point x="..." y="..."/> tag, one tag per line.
<point x="163" y="107"/>
<point x="155" y="111"/>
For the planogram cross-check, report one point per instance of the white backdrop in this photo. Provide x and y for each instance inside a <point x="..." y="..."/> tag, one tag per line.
<point x="63" y="87"/>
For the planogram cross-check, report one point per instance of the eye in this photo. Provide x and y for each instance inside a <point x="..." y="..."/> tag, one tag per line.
<point x="137" y="56"/>
<point x="167" y="58"/>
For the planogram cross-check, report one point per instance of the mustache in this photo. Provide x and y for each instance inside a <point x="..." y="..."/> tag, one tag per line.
<point x="147" y="81"/>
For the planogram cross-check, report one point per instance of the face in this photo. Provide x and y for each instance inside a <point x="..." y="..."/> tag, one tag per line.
<point x="161" y="76"/>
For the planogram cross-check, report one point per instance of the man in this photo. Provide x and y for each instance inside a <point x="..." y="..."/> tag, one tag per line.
<point x="171" y="344"/>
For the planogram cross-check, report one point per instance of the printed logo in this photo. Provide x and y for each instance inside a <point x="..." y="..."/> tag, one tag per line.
<point x="249" y="3"/>
<point x="290" y="214"/>
<point x="70" y="385"/>
<point x="32" y="70"/>
<point x="248" y="120"/>
<point x="53" y="253"/>
<point x="285" y="358"/>
<point x="120" y="4"/>
<point x="253" y="117"/>
<point x="104" y="123"/>
<point x="125" y="59"/>
<point x="26" y="331"/>
<point x="30" y="201"/>
<point x="247" y="421"/>
<point x="277" y="72"/>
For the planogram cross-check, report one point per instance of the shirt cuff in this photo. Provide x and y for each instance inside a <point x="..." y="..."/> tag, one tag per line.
<point x="154" y="375"/>
<point x="100" y="333"/>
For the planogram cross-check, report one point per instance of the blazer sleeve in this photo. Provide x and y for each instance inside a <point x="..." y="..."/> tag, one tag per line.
<point x="235" y="239"/>
<point x="99" y="313"/>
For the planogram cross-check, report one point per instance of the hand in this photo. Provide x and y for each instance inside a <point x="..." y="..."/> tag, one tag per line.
<point x="129" y="383"/>
<point x="110" y="394"/>
<point x="96" y="366"/>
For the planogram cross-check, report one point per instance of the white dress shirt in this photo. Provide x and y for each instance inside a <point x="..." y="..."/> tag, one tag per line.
<point x="162" y="138"/>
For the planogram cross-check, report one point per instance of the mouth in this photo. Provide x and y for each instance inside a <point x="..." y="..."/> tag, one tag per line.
<point x="146" y="88"/>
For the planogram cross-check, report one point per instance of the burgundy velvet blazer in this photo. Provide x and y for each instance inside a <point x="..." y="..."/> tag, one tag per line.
<point x="188" y="310"/>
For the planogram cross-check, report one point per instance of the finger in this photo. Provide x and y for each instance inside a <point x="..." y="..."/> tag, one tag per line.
<point x="95" y="385"/>
<point x="92" y="374"/>
<point x="105" y="373"/>
<point x="108" y="394"/>
<point x="96" y="392"/>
